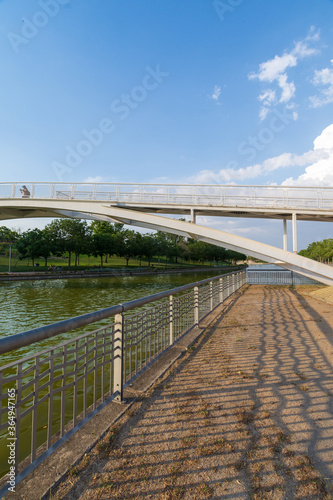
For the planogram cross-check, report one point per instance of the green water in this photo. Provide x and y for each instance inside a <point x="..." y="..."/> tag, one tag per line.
<point x="31" y="304"/>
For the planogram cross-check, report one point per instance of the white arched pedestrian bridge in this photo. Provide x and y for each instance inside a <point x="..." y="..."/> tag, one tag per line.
<point x="138" y="204"/>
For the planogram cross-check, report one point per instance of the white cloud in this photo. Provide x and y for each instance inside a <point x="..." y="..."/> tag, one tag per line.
<point x="323" y="78"/>
<point x="318" y="162"/>
<point x="215" y="95"/>
<point x="320" y="172"/>
<point x="93" y="180"/>
<point x="325" y="139"/>
<point x="268" y="97"/>
<point x="271" y="70"/>
<point x="274" y="71"/>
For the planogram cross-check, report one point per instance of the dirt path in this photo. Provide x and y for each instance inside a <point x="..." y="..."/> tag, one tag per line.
<point x="248" y="413"/>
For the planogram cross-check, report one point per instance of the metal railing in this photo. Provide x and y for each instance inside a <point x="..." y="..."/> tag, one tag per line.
<point x="292" y="197"/>
<point x="277" y="276"/>
<point x="60" y="388"/>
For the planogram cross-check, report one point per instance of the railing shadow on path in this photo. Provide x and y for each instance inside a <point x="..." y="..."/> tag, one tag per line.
<point x="246" y="414"/>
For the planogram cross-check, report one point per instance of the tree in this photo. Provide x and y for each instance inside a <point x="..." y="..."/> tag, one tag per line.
<point x="103" y="244"/>
<point x="45" y="246"/>
<point x="149" y="246"/>
<point x="30" y="245"/>
<point x="199" y="250"/>
<point x="319" y="250"/>
<point x="127" y="245"/>
<point x="161" y="245"/>
<point x="174" y="249"/>
<point x="68" y="235"/>
<point x="7" y="235"/>
<point x="106" y="228"/>
<point x="233" y="256"/>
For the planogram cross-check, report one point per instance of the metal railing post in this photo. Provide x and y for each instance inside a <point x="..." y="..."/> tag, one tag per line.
<point x="211" y="294"/>
<point x="171" y="318"/>
<point x="118" y="357"/>
<point x="221" y="290"/>
<point x="196" y="305"/>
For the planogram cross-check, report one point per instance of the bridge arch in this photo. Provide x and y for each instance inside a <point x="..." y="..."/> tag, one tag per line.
<point x="29" y="208"/>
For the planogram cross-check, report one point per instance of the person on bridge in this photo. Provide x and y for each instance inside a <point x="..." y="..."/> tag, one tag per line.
<point x="25" y="192"/>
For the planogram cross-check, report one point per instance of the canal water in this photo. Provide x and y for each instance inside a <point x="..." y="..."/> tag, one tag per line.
<point x="31" y="304"/>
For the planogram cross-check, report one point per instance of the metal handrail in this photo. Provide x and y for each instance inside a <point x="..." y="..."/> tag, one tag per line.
<point x="181" y="194"/>
<point x="167" y="185"/>
<point x="28" y="337"/>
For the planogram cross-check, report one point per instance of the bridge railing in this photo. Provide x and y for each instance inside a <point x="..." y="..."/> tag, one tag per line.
<point x="46" y="397"/>
<point x="214" y="195"/>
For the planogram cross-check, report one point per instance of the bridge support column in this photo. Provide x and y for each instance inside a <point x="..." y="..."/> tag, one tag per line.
<point x="285" y="235"/>
<point x="193" y="216"/>
<point x="294" y="221"/>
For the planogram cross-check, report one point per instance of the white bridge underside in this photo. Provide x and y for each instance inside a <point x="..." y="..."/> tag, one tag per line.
<point x="139" y="216"/>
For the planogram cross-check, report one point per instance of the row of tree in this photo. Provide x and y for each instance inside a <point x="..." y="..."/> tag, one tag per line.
<point x="73" y="237"/>
<point x="322" y="251"/>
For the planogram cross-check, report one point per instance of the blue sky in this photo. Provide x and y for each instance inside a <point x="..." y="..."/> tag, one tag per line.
<point x="181" y="91"/>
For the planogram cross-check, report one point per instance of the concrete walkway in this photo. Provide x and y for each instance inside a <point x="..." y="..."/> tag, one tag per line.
<point x="246" y="413"/>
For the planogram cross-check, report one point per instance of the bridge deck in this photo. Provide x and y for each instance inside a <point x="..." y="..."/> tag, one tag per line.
<point x="274" y="202"/>
<point x="248" y="411"/>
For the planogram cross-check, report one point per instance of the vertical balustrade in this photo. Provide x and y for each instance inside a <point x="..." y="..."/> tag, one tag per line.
<point x="196" y="305"/>
<point x="95" y="370"/>
<point x="63" y="399"/>
<point x="50" y="402"/>
<point x="86" y="367"/>
<point x="34" y="411"/>
<point x="171" y="319"/>
<point x="118" y="357"/>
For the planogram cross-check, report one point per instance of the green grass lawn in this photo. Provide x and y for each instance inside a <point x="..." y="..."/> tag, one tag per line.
<point x="85" y="262"/>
